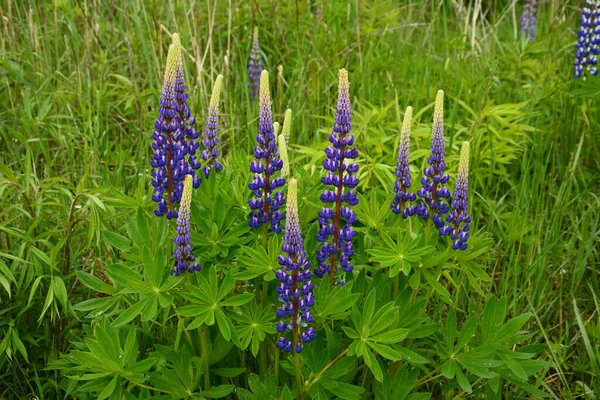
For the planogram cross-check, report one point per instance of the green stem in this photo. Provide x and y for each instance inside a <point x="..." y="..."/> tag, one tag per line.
<point x="262" y="355"/>
<point x="276" y="366"/>
<point x="299" y="386"/>
<point x="395" y="286"/>
<point x="205" y="357"/>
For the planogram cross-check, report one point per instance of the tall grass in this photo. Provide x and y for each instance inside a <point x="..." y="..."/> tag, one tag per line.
<point x="79" y="90"/>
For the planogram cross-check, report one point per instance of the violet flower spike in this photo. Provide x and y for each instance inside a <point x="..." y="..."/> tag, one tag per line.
<point x="255" y="67"/>
<point x="184" y="258"/>
<point x="295" y="289"/>
<point x="174" y="138"/>
<point x="336" y="238"/>
<point x="266" y="203"/>
<point x="459" y="219"/>
<point x="528" y="20"/>
<point x="402" y="199"/>
<point x="588" y="40"/>
<point x="433" y="191"/>
<point x="211" y="132"/>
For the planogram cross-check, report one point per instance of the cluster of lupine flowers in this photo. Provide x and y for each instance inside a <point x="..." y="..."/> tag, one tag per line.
<point x="255" y="66"/>
<point x="267" y="201"/>
<point x="295" y="289"/>
<point x="587" y="48"/>
<point x="336" y="218"/>
<point x="175" y="176"/>
<point x="528" y="20"/>
<point x="433" y="192"/>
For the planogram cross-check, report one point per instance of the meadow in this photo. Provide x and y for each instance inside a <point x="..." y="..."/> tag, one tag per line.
<point x="88" y="306"/>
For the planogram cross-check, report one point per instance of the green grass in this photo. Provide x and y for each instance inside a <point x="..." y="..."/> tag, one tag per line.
<point x="79" y="90"/>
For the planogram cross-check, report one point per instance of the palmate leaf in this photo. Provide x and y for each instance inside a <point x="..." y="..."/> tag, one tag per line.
<point x="209" y="302"/>
<point x="372" y="333"/>
<point x="399" y="255"/>
<point x="254" y="324"/>
<point x="256" y="261"/>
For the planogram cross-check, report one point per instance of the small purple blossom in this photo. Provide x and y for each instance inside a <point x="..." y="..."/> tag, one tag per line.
<point x="255" y="66"/>
<point x="337" y="239"/>
<point x="433" y="191"/>
<point x="267" y="202"/>
<point x="184" y="258"/>
<point x="295" y="289"/>
<point x="402" y="199"/>
<point x="459" y="219"/>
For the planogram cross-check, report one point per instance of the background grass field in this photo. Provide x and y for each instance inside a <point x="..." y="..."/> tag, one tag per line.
<point x="79" y="90"/>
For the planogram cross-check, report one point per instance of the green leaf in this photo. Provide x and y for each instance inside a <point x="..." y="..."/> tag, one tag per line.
<point x="373" y="365"/>
<point x="393" y="336"/>
<point x="467" y="332"/>
<point x="463" y="382"/>
<point x="142" y="227"/>
<point x="385" y="351"/>
<point x="223" y="323"/>
<point x="218" y="392"/>
<point x="130" y="313"/>
<point x="19" y="344"/>
<point x="238" y="300"/>
<point x="109" y="389"/>
<point x="514" y="366"/>
<point x="411" y="356"/>
<point x="118" y="241"/>
<point x="95" y="284"/>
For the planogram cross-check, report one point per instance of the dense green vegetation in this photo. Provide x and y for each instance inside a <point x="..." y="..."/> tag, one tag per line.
<point x="84" y="262"/>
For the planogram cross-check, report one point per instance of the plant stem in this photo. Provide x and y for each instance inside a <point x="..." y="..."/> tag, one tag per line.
<point x="395" y="286"/>
<point x="299" y="385"/>
<point x="205" y="357"/>
<point x="276" y="366"/>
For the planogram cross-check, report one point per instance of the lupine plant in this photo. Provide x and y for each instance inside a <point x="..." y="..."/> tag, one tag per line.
<point x="403" y="198"/>
<point x="588" y="40"/>
<point x="267" y="201"/>
<point x="211" y="132"/>
<point x="433" y="192"/>
<point x="528" y="20"/>
<point x="255" y="66"/>
<point x="389" y="321"/>
<point x="174" y="137"/>
<point x="337" y="218"/>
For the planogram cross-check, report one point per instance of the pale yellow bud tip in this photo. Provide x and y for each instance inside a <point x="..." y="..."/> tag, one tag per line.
<point x="439" y="103"/>
<point x="216" y="92"/>
<point x="406" y="124"/>
<point x="264" y="86"/>
<point x="283" y="154"/>
<point x="343" y="76"/>
<point x="287" y="125"/>
<point x="275" y="128"/>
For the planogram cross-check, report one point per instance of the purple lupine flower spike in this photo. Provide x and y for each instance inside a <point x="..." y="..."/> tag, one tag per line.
<point x="254" y="66"/>
<point x="266" y="203"/>
<point x="184" y="258"/>
<point x="174" y="138"/>
<point x="337" y="239"/>
<point x="402" y="199"/>
<point x="295" y="289"/>
<point x="433" y="192"/>
<point x="211" y="132"/>
<point x="459" y="219"/>
<point x="588" y="40"/>
<point x="528" y="20"/>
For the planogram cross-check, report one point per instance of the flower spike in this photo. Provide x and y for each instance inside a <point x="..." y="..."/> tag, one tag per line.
<point x="184" y="259"/>
<point x="174" y="138"/>
<point x="336" y="218"/>
<point x="403" y="197"/>
<point x="287" y="126"/>
<point x="588" y="41"/>
<point x="295" y="289"/>
<point x="433" y="191"/>
<point x="211" y="132"/>
<point x="528" y="20"/>
<point x="459" y="218"/>
<point x="266" y="203"/>
<point x="255" y="66"/>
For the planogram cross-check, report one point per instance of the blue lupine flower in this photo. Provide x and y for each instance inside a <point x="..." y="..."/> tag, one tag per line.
<point x="295" y="289"/>
<point x="459" y="218"/>
<point x="265" y="206"/>
<point x="174" y="137"/>
<point x="211" y="132"/>
<point x="528" y="20"/>
<point x="403" y="197"/>
<point x="433" y="191"/>
<point x="588" y="41"/>
<point x="337" y="239"/>
<point x="255" y="66"/>
<point x="184" y="259"/>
